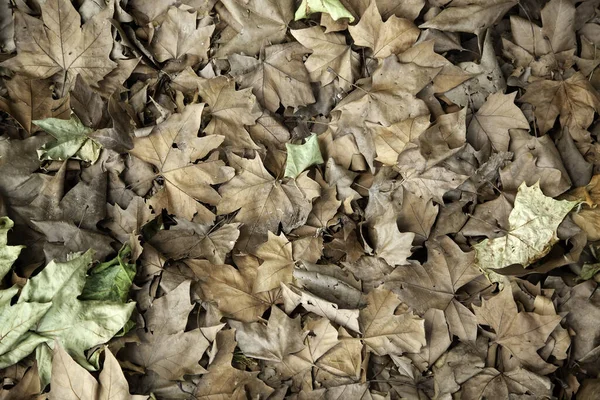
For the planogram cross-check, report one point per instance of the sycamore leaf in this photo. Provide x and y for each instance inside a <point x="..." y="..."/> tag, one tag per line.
<point x="574" y="99"/>
<point x="258" y="23"/>
<point x="436" y="283"/>
<point x="232" y="289"/>
<point x="264" y="202"/>
<point x="111" y="280"/>
<point x="8" y="254"/>
<point x="385" y="38"/>
<point x="390" y="244"/>
<point x="272" y="342"/>
<point x="31" y="99"/>
<point x="520" y="333"/>
<point x="491" y="123"/>
<point x="58" y="43"/>
<point x="72" y="140"/>
<point x="384" y="331"/>
<point x="531" y="234"/>
<point x="302" y="156"/>
<point x="192" y="240"/>
<point x="179" y="36"/>
<point x="332" y="7"/>
<point x="230" y="110"/>
<point x="331" y="57"/>
<point x="123" y="223"/>
<point x="279" y="76"/>
<point x="470" y="15"/>
<point x="278" y="263"/>
<point x="172" y="147"/>
<point x="491" y="383"/>
<point x="71" y="382"/>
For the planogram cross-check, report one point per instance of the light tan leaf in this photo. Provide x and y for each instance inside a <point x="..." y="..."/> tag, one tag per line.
<point x="390" y="244"/>
<point x="470" y="15"/>
<point x="277" y="265"/>
<point x="493" y="384"/>
<point x="386" y="332"/>
<point x="391" y="140"/>
<point x="123" y="223"/>
<point x="172" y="147"/>
<point x="58" y="43"/>
<point x="279" y="76"/>
<point x="330" y="51"/>
<point x="491" y="123"/>
<point x="230" y="110"/>
<point x="520" y="333"/>
<point x="417" y="215"/>
<point x="280" y="337"/>
<point x="264" y="202"/>
<point x="384" y="38"/>
<point x="179" y="35"/>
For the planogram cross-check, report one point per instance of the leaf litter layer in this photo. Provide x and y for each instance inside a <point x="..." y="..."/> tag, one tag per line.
<point x="268" y="199"/>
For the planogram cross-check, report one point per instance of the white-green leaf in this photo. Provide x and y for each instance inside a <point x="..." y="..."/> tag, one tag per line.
<point x="302" y="156"/>
<point x="332" y="7"/>
<point x="71" y="140"/>
<point x="8" y="254"/>
<point x="532" y="232"/>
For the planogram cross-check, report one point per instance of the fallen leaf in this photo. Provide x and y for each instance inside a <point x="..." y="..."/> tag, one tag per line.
<point x="332" y="7"/>
<point x="72" y="139"/>
<point x="59" y="43"/>
<point x="302" y="156"/>
<point x="469" y="15"/>
<point x="390" y="244"/>
<point x="531" y="234"/>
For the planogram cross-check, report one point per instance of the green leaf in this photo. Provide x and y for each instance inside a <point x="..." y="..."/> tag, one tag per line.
<point x="302" y="156"/>
<point x="111" y="280"/>
<point x="531" y="234"/>
<point x="8" y="254"/>
<point x="588" y="271"/>
<point x="49" y="309"/>
<point x="332" y="7"/>
<point x="72" y="140"/>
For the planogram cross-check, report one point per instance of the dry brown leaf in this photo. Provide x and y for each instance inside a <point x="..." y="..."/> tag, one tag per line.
<point x="383" y="38"/>
<point x="278" y="77"/>
<point x="470" y="15"/>
<point x="171" y="148"/>
<point x="390" y="244"/>
<point x="59" y="43"/>
<point x="277" y="265"/>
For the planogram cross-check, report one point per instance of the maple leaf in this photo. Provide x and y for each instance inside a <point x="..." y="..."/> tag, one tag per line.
<point x="436" y="283"/>
<point x="264" y="202"/>
<point x="232" y="289"/>
<point x="72" y="140"/>
<point x="491" y="383"/>
<point x="258" y="23"/>
<point x="332" y="7"/>
<point x="491" y="123"/>
<point x="531" y="235"/>
<point x="329" y="52"/>
<point x="280" y="337"/>
<point x="520" y="333"/>
<point x="58" y="43"/>
<point x="469" y="15"/>
<point x="390" y="244"/>
<point x="574" y="99"/>
<point x="385" y="332"/>
<point x="71" y="381"/>
<point x="123" y="223"/>
<point x="31" y="99"/>
<point x="8" y="254"/>
<point x="277" y="77"/>
<point x="230" y="111"/>
<point x="302" y="156"/>
<point x="417" y="215"/>
<point x="392" y="37"/>
<point x="180" y="36"/>
<point x="277" y="265"/>
<point x="192" y="240"/>
<point x="172" y="147"/>
<point x="391" y="140"/>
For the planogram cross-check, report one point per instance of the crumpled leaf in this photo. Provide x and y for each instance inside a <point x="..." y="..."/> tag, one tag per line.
<point x="72" y="140"/>
<point x="531" y="234"/>
<point x="111" y="280"/>
<point x="469" y="15"/>
<point x="332" y="7"/>
<point x="8" y="254"/>
<point x="302" y="156"/>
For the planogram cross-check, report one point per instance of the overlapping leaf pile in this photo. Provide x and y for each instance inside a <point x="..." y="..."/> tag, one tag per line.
<point x="340" y="199"/>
